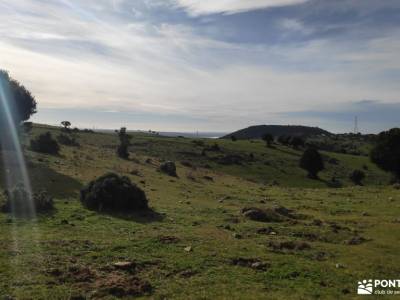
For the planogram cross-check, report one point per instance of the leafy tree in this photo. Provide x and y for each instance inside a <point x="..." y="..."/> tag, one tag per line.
<point x="124" y="138"/>
<point x="45" y="143"/>
<point x="284" y="140"/>
<point x="21" y="102"/>
<point x="233" y="138"/>
<point x="297" y="142"/>
<point x="268" y="138"/>
<point x="386" y="153"/>
<point x="66" y="125"/>
<point x="357" y="177"/>
<point x="312" y="162"/>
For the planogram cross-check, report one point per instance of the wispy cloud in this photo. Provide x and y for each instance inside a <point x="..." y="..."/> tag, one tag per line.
<point x="200" y="7"/>
<point x="103" y="55"/>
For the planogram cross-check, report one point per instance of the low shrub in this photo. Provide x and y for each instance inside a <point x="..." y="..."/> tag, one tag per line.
<point x="66" y="140"/>
<point x="112" y="192"/>
<point x="20" y="202"/>
<point x="357" y="177"/>
<point x="45" y="143"/>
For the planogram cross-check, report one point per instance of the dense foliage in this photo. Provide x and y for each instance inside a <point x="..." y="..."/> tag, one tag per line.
<point x="386" y="153"/>
<point x="357" y="176"/>
<point x="21" y="102"/>
<point x="111" y="192"/>
<point x="312" y="162"/>
<point x="45" y="143"/>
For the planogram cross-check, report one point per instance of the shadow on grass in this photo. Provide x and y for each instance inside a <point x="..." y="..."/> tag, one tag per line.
<point x="58" y="185"/>
<point x="143" y="217"/>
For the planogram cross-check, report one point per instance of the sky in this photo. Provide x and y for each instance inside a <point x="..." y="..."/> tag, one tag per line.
<point x="206" y="65"/>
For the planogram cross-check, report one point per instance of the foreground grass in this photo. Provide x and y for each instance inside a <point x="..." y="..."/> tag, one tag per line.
<point x="70" y="253"/>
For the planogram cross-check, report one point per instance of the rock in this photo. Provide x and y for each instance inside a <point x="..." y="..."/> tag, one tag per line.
<point x="188" y="249"/>
<point x="357" y="240"/>
<point x="250" y="263"/>
<point x="169" y="168"/>
<point x="237" y="236"/>
<point x="261" y="215"/>
<point x="339" y="266"/>
<point x="265" y="230"/>
<point x="124" y="265"/>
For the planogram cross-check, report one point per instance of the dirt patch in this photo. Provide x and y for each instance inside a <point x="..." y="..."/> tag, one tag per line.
<point x="117" y="280"/>
<point x="120" y="285"/>
<point x="252" y="263"/>
<point x="357" y="240"/>
<point x="168" y="239"/>
<point x="261" y="215"/>
<point x="289" y="245"/>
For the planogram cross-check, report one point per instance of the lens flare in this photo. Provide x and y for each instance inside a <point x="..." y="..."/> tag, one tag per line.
<point x="16" y="172"/>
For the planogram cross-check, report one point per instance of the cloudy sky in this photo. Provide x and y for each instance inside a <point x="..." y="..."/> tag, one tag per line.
<point x="208" y="65"/>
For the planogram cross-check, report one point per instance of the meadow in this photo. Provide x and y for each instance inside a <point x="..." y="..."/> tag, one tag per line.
<point x="196" y="242"/>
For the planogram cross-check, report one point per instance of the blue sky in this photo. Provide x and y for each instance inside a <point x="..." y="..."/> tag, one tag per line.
<point x="208" y="65"/>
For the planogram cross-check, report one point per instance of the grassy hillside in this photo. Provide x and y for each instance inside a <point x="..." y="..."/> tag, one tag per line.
<point x="196" y="244"/>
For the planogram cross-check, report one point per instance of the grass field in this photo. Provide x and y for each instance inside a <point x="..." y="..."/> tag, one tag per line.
<point x="196" y="243"/>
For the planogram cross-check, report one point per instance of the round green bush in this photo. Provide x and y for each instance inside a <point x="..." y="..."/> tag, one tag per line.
<point x="115" y="193"/>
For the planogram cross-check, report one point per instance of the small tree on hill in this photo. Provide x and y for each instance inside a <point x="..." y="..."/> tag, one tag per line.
<point x="268" y="139"/>
<point x="386" y="153"/>
<point x="21" y="103"/>
<point x="233" y="138"/>
<point x="312" y="162"/>
<point x="66" y="125"/>
<point x="357" y="177"/>
<point x="124" y="138"/>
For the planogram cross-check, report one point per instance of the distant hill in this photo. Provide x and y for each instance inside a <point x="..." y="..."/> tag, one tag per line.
<point x="256" y="132"/>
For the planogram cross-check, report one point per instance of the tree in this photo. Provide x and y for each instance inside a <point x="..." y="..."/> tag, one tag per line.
<point x="386" y="152"/>
<point x="124" y="138"/>
<point x="66" y="125"/>
<point x="21" y="103"/>
<point x="233" y="138"/>
<point x="312" y="162"/>
<point x="357" y="177"/>
<point x="297" y="142"/>
<point x="284" y="140"/>
<point x="268" y="138"/>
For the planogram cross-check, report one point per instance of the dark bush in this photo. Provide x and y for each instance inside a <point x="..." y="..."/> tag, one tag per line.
<point x="312" y="162"/>
<point x="45" y="143"/>
<point x="169" y="168"/>
<point x="357" y="177"/>
<point x="114" y="193"/>
<point x="124" y="138"/>
<point x="268" y="139"/>
<point x="386" y="153"/>
<point x="19" y="203"/>
<point x="66" y="140"/>
<point x="297" y="142"/>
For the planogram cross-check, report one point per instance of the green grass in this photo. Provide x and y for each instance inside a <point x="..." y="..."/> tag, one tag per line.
<point x="196" y="212"/>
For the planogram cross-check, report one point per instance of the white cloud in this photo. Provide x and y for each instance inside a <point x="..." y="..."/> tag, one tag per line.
<point x="71" y="57"/>
<point x="200" y="7"/>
